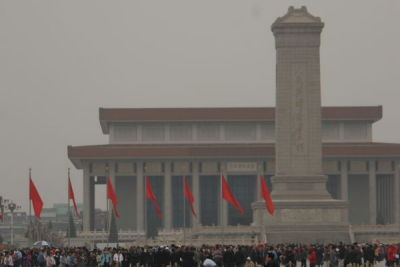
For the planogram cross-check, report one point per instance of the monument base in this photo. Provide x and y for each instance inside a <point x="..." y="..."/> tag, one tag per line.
<point x="303" y="221"/>
<point x="303" y="187"/>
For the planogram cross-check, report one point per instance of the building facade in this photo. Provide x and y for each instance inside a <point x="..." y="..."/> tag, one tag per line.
<point x="327" y="169"/>
<point x="200" y="143"/>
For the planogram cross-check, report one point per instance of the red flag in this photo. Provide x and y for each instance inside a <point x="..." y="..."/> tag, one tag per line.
<point x="265" y="194"/>
<point x="189" y="196"/>
<point x="229" y="196"/>
<point x="34" y="196"/>
<point x="71" y="196"/>
<point x="150" y="195"/>
<point x="112" y="196"/>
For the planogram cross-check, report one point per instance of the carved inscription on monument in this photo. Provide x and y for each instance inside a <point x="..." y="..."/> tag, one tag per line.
<point x="299" y="106"/>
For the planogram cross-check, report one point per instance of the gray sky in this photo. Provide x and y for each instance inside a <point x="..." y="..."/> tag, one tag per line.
<point x="62" y="60"/>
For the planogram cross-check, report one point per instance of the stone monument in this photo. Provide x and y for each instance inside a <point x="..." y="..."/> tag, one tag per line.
<point x="305" y="211"/>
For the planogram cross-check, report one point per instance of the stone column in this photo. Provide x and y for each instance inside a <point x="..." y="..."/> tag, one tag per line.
<point x="140" y="197"/>
<point x="196" y="193"/>
<point x="88" y="200"/>
<point x="224" y="205"/>
<point x="260" y="172"/>
<point x="372" y="192"/>
<point x="167" y="196"/>
<point x="110" y="168"/>
<point x="397" y="192"/>
<point x="344" y="183"/>
<point x="261" y="223"/>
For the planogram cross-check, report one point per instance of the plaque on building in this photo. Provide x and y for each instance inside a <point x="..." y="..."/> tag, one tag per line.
<point x="385" y="166"/>
<point x="330" y="166"/>
<point x="153" y="167"/>
<point x="358" y="166"/>
<point x="241" y="166"/>
<point x="126" y="167"/>
<point x="209" y="167"/>
<point x="181" y="167"/>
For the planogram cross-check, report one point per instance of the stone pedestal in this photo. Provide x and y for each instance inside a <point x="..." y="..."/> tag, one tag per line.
<point x="300" y="187"/>
<point x="303" y="221"/>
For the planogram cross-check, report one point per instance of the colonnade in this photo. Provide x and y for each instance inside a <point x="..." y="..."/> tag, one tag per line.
<point x="195" y="174"/>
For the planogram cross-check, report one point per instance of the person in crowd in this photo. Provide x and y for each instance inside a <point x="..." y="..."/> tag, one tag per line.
<point x="7" y="259"/>
<point x="106" y="260"/>
<point x="320" y="256"/>
<point x="118" y="258"/>
<point x="217" y="256"/>
<point x="290" y="257"/>
<point x="63" y="260"/>
<point x="303" y="255"/>
<point x="312" y="257"/>
<point x="268" y="255"/>
<point x="50" y="261"/>
<point x="41" y="259"/>
<point x="228" y="257"/>
<point x="391" y="253"/>
<point x="240" y="258"/>
<point x="249" y="263"/>
<point x="271" y="261"/>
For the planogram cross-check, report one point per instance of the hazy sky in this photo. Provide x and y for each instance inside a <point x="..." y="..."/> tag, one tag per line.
<point x="62" y="60"/>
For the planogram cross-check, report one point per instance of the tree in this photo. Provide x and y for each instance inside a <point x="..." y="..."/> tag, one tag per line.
<point x="50" y="225"/>
<point x="71" y="230"/>
<point x="1" y="239"/>
<point x="113" y="234"/>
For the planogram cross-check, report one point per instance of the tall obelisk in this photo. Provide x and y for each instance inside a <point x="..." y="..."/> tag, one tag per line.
<point x="298" y="107"/>
<point x="305" y="210"/>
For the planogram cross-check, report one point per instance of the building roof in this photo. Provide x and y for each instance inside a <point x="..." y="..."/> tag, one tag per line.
<point x="267" y="150"/>
<point x="108" y="115"/>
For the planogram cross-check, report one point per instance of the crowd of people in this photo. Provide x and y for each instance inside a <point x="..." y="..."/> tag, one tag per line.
<point x="332" y="255"/>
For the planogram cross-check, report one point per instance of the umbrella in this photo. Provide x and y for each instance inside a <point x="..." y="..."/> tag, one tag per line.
<point x="41" y="244"/>
<point x="209" y="263"/>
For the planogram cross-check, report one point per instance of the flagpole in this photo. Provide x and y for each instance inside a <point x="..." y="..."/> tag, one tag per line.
<point x="145" y="212"/>
<point x="69" y="211"/>
<point x="222" y="209"/>
<point x="263" y="235"/>
<point x="30" y="203"/>
<point x="184" y="212"/>
<point x="106" y="229"/>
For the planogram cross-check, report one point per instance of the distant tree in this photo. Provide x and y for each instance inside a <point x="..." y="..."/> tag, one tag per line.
<point x="50" y="225"/>
<point x="1" y="239"/>
<point x="71" y="230"/>
<point x="113" y="234"/>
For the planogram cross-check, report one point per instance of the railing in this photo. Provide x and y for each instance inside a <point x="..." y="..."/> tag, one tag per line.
<point x="210" y="234"/>
<point x="376" y="228"/>
<point x="102" y="235"/>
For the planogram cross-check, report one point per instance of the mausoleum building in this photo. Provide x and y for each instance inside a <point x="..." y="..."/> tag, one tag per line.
<point x="312" y="147"/>
<point x="200" y="143"/>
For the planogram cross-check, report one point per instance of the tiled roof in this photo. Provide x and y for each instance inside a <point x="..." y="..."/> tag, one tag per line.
<point x="107" y="115"/>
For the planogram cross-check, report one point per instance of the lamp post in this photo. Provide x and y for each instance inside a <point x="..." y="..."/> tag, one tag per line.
<point x="11" y="207"/>
<point x="1" y="209"/>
